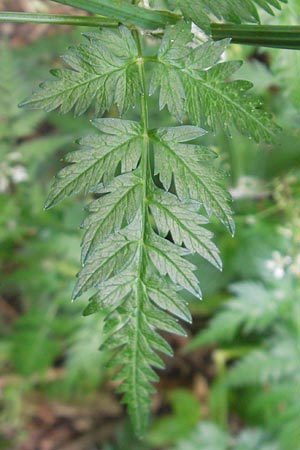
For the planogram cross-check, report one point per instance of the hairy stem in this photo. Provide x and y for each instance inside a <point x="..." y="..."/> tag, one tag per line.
<point x="57" y="19"/>
<point x="287" y="37"/>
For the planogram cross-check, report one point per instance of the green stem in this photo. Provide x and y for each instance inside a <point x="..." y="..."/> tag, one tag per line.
<point x="125" y="12"/>
<point x="57" y="19"/>
<point x="287" y="37"/>
<point x="144" y="164"/>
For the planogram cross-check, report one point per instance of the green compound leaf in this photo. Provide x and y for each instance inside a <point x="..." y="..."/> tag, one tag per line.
<point x="236" y="11"/>
<point x="137" y="234"/>
<point x="102" y="72"/>
<point x="199" y="87"/>
<point x="133" y="291"/>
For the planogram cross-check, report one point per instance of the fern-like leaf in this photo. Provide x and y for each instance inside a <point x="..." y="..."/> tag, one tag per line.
<point x="208" y="436"/>
<point x="279" y="359"/>
<point x="189" y="80"/>
<point x="137" y="234"/>
<point x="253" y="309"/>
<point x="124" y="261"/>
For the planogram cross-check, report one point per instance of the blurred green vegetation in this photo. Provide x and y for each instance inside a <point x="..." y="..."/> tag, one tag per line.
<point x="234" y="383"/>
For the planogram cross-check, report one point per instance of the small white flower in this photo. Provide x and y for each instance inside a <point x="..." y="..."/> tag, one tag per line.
<point x="294" y="268"/>
<point x="14" y="156"/>
<point x="278" y="264"/>
<point x="11" y="224"/>
<point x="285" y="232"/>
<point x="18" y="174"/>
<point x="250" y="220"/>
<point x="248" y="187"/>
<point x="4" y="183"/>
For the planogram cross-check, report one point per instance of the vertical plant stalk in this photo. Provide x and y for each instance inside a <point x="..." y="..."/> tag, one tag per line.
<point x="144" y="172"/>
<point x="144" y="164"/>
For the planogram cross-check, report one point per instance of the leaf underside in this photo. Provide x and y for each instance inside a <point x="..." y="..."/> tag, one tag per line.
<point x="138" y="231"/>
<point x="234" y="11"/>
<point x="200" y="88"/>
<point x="102" y="72"/>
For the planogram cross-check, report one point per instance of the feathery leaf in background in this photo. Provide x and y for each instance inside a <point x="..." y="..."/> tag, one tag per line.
<point x="254" y="308"/>
<point x="209" y="436"/>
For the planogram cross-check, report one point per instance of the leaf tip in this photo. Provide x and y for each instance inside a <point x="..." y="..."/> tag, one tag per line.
<point x="23" y="103"/>
<point x="47" y="205"/>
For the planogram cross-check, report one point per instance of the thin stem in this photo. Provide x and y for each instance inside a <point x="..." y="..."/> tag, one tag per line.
<point x="144" y="164"/>
<point x="287" y="37"/>
<point x="57" y="19"/>
<point x="144" y="170"/>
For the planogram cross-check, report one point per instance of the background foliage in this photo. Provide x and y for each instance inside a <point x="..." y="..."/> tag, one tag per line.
<point x="240" y="362"/>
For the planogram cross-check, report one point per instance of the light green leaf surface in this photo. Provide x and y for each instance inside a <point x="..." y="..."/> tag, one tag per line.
<point x="98" y="158"/>
<point x="194" y="176"/>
